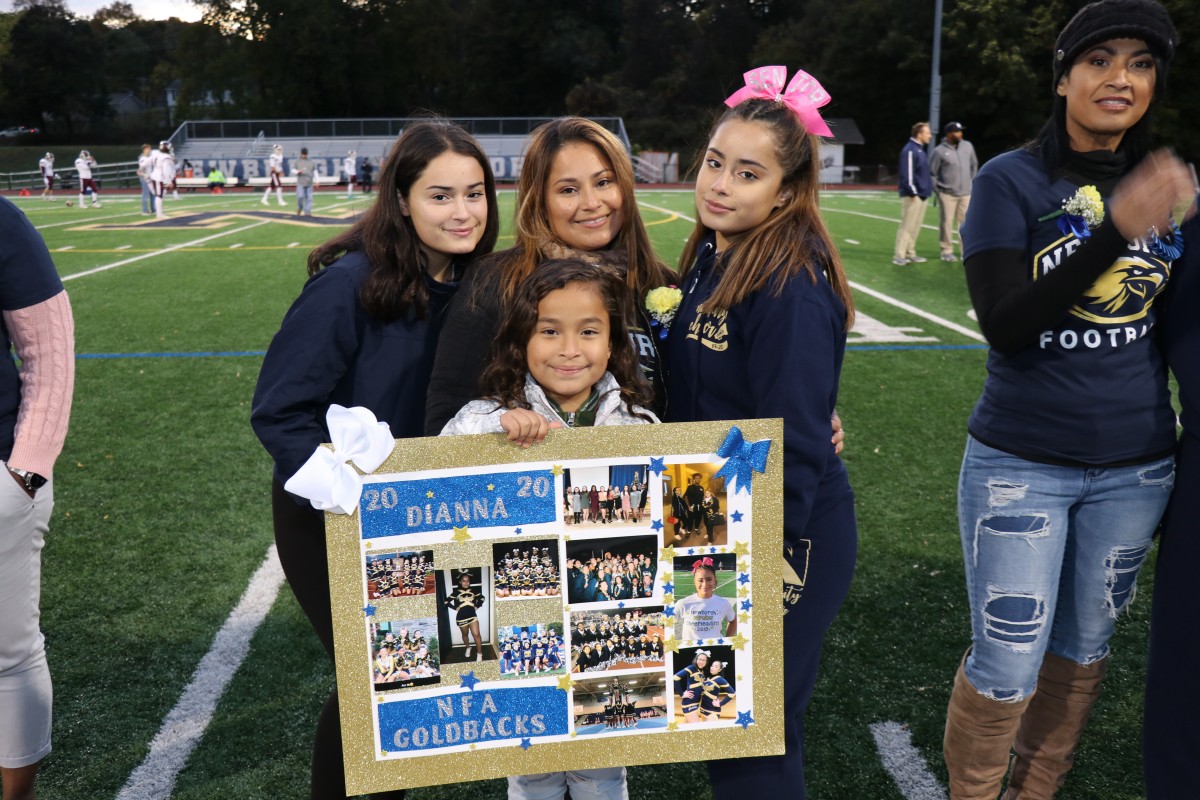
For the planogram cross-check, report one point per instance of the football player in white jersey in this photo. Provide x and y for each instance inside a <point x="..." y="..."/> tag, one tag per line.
<point x="162" y="175"/>
<point x="274" y="175"/>
<point x="350" y="167"/>
<point x="46" y="167"/>
<point x="87" y="184"/>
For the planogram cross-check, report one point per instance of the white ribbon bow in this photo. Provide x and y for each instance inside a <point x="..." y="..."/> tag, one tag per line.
<point x="326" y="480"/>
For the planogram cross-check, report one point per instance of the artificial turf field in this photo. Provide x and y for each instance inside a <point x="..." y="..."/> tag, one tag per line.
<point x="163" y="511"/>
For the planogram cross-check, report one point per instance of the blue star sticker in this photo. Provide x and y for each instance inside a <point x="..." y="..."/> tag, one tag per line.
<point x="718" y="641"/>
<point x="469" y="680"/>
<point x="744" y="719"/>
<point x="656" y="465"/>
<point x="526" y="744"/>
<point x="691" y="551"/>
<point x="747" y="605"/>
<point x="743" y="579"/>
<point x="369" y="610"/>
<point x="668" y="611"/>
<point x="621" y="604"/>
<point x="668" y="587"/>
<point x="518" y="531"/>
<point x="656" y="525"/>
<point x="736" y="516"/>
<point x="712" y="549"/>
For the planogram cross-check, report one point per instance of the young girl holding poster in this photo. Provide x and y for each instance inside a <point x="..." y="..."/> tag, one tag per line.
<point x="562" y="358"/>
<point x="763" y="286"/>
<point x="362" y="333"/>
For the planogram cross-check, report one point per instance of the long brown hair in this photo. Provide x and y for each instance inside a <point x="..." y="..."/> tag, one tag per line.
<point x="396" y="281"/>
<point x="503" y="380"/>
<point x="793" y="239"/>
<point x="644" y="270"/>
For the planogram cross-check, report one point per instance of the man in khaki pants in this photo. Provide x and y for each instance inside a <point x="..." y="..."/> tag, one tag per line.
<point x="953" y="168"/>
<point x="915" y="187"/>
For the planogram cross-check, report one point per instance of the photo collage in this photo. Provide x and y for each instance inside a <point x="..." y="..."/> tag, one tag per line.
<point x="628" y="607"/>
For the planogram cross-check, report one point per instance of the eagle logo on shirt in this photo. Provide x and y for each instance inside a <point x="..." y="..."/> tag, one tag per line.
<point x="1125" y="292"/>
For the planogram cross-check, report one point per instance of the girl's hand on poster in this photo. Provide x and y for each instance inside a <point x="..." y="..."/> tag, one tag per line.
<point x="525" y="427"/>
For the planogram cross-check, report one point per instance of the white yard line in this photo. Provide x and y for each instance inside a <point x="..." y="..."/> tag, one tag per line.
<point x="183" y="727"/>
<point x="165" y="250"/>
<point x="858" y="287"/>
<point x="904" y="763"/>
<point x="945" y="323"/>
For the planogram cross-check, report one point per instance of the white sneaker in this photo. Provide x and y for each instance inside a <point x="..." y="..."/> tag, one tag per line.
<point x="467" y="654"/>
<point x="917" y="260"/>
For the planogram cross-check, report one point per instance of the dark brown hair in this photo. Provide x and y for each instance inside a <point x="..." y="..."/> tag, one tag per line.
<point x="396" y="281"/>
<point x="503" y="380"/>
<point x="793" y="239"/>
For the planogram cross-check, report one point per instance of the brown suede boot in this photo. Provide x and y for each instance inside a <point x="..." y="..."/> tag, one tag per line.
<point x="1052" y="725"/>
<point x="979" y="736"/>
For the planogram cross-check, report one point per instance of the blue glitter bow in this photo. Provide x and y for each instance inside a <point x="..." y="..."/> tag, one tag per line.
<point x="1072" y="224"/>
<point x="742" y="459"/>
<point x="1169" y="246"/>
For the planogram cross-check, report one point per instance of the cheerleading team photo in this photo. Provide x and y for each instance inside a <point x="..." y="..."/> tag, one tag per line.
<point x="404" y="653"/>
<point x="400" y="574"/>
<point x="526" y="569"/>
<point x="706" y="596"/>
<point x="527" y="650"/>
<point x="611" y="569"/>
<point x="465" y="616"/>
<point x="615" y="705"/>
<point x="705" y="684"/>
<point x="617" y="640"/>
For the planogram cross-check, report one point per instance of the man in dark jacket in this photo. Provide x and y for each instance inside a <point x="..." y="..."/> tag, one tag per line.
<point x="915" y="188"/>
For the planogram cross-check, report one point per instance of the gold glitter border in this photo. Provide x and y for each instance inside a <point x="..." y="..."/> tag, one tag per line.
<point x="365" y="772"/>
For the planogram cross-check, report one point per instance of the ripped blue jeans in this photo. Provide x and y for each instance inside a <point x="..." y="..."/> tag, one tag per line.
<point x="1052" y="555"/>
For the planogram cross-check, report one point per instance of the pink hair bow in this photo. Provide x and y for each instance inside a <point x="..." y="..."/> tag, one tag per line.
<point x="704" y="562"/>
<point x="803" y="95"/>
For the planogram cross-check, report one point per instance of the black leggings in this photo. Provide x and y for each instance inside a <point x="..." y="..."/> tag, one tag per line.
<point x="300" y="541"/>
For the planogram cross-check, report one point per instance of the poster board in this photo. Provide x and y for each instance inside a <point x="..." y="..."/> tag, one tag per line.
<point x="424" y="576"/>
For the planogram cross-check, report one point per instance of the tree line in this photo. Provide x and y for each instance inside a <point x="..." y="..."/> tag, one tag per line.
<point x="663" y="65"/>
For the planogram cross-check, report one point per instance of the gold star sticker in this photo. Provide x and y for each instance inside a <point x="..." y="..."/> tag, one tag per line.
<point x="472" y="747"/>
<point x="743" y="618"/>
<point x="738" y="642"/>
<point x="429" y="494"/>
<point x="668" y="599"/>
<point x="739" y="678"/>
<point x="491" y="487"/>
<point x="565" y="682"/>
<point x="744" y="592"/>
<point x="740" y="549"/>
<point x="567" y="609"/>
<point x="742" y="566"/>
<point x="378" y="698"/>
<point x="383" y="752"/>
<point x="574" y="734"/>
<point x="672" y="726"/>
<point x="668" y="553"/>
<point x="556" y="470"/>
<point x="672" y="645"/>
<point x="566" y="537"/>
<point x="460" y="534"/>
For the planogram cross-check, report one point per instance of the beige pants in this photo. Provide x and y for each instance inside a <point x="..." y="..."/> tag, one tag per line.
<point x="912" y="214"/>
<point x="953" y="210"/>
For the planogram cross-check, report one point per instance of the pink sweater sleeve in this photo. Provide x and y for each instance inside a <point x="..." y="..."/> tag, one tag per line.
<point x="43" y="336"/>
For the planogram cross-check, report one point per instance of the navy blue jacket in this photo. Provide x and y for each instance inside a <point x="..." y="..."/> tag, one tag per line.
<point x="914" y="177"/>
<point x="776" y="356"/>
<point x="328" y="350"/>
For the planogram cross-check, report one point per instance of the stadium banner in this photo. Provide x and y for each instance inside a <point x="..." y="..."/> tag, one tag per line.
<point x="609" y="597"/>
